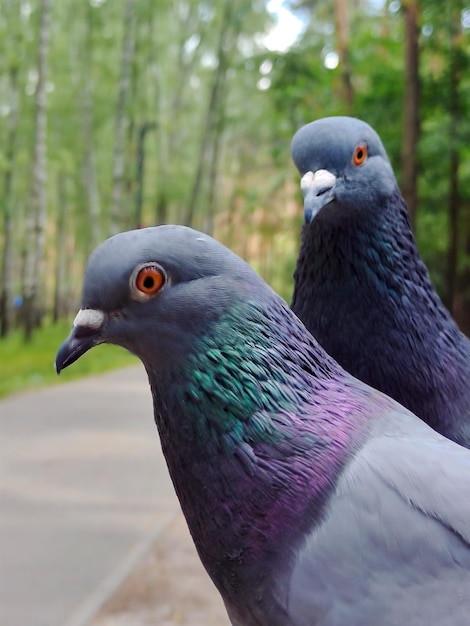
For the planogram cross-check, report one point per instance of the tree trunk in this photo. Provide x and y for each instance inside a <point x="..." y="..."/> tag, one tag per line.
<point x="60" y="287"/>
<point x="36" y="221"/>
<point x="463" y="314"/>
<point x="161" y="211"/>
<point x="91" y="185"/>
<point x="140" y="168"/>
<point x="169" y="136"/>
<point x="454" y="164"/>
<point x="411" y="109"/>
<point x="182" y="74"/>
<point x="215" y="99"/>
<point x="119" y="142"/>
<point x="213" y="172"/>
<point x="342" y="34"/>
<point x="6" y="296"/>
<point x="453" y="235"/>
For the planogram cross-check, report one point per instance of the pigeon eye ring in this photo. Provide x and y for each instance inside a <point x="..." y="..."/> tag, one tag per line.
<point x="360" y="154"/>
<point x="146" y="281"/>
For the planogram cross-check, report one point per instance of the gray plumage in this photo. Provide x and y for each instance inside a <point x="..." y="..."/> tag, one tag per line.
<point x="312" y="499"/>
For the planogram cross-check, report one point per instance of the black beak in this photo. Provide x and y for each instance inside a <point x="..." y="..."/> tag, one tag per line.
<point x="80" y="340"/>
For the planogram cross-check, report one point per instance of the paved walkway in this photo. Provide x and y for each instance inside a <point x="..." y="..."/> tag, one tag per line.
<point x="168" y="587"/>
<point x="84" y="492"/>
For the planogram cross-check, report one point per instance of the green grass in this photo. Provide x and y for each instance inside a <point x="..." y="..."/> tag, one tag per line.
<point x="26" y="366"/>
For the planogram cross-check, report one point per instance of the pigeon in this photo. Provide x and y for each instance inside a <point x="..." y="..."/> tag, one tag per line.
<point x="312" y="499"/>
<point x="360" y="285"/>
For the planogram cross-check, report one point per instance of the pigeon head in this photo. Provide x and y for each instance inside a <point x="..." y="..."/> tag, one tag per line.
<point x="341" y="158"/>
<point x="256" y="422"/>
<point x="152" y="291"/>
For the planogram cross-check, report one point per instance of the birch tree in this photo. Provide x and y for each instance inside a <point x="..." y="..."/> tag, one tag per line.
<point x="36" y="219"/>
<point x="214" y="111"/>
<point x="7" y="276"/>
<point x="90" y="181"/>
<point x="60" y="287"/>
<point x="120" y="130"/>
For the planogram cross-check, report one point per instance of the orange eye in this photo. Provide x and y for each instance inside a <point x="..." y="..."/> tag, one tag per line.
<point x="147" y="281"/>
<point x="360" y="154"/>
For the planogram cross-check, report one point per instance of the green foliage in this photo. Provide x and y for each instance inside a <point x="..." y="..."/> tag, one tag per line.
<point x="303" y="89"/>
<point x="266" y="96"/>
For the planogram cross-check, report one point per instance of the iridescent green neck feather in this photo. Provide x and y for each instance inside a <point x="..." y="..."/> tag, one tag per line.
<point x="256" y="426"/>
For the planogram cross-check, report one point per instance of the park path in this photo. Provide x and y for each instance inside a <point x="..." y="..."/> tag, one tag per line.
<point x="84" y="497"/>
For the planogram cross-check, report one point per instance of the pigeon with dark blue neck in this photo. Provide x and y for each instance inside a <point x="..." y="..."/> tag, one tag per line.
<point x="361" y="287"/>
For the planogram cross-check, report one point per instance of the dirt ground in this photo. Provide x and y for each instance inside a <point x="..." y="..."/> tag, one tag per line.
<point x="169" y="587"/>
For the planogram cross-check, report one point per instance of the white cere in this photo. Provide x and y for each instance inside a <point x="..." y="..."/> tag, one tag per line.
<point x="91" y="318"/>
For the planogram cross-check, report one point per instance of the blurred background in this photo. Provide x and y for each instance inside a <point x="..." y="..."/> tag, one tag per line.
<point x="117" y="114"/>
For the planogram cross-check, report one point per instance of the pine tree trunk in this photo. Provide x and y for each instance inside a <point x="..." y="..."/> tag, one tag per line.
<point x="463" y="314"/>
<point x="7" y="277"/>
<point x="123" y="93"/>
<point x="342" y="34"/>
<point x="453" y="236"/>
<point x="411" y="109"/>
<point x="36" y="221"/>
<point x="453" y="193"/>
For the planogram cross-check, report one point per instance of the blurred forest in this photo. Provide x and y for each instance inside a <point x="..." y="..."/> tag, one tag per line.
<point x="116" y="114"/>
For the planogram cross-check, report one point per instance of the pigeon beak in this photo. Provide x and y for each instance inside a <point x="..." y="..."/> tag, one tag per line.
<point x="85" y="334"/>
<point x="318" y="189"/>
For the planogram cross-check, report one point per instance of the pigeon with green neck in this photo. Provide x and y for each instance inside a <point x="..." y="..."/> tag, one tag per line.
<point x="312" y="499"/>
